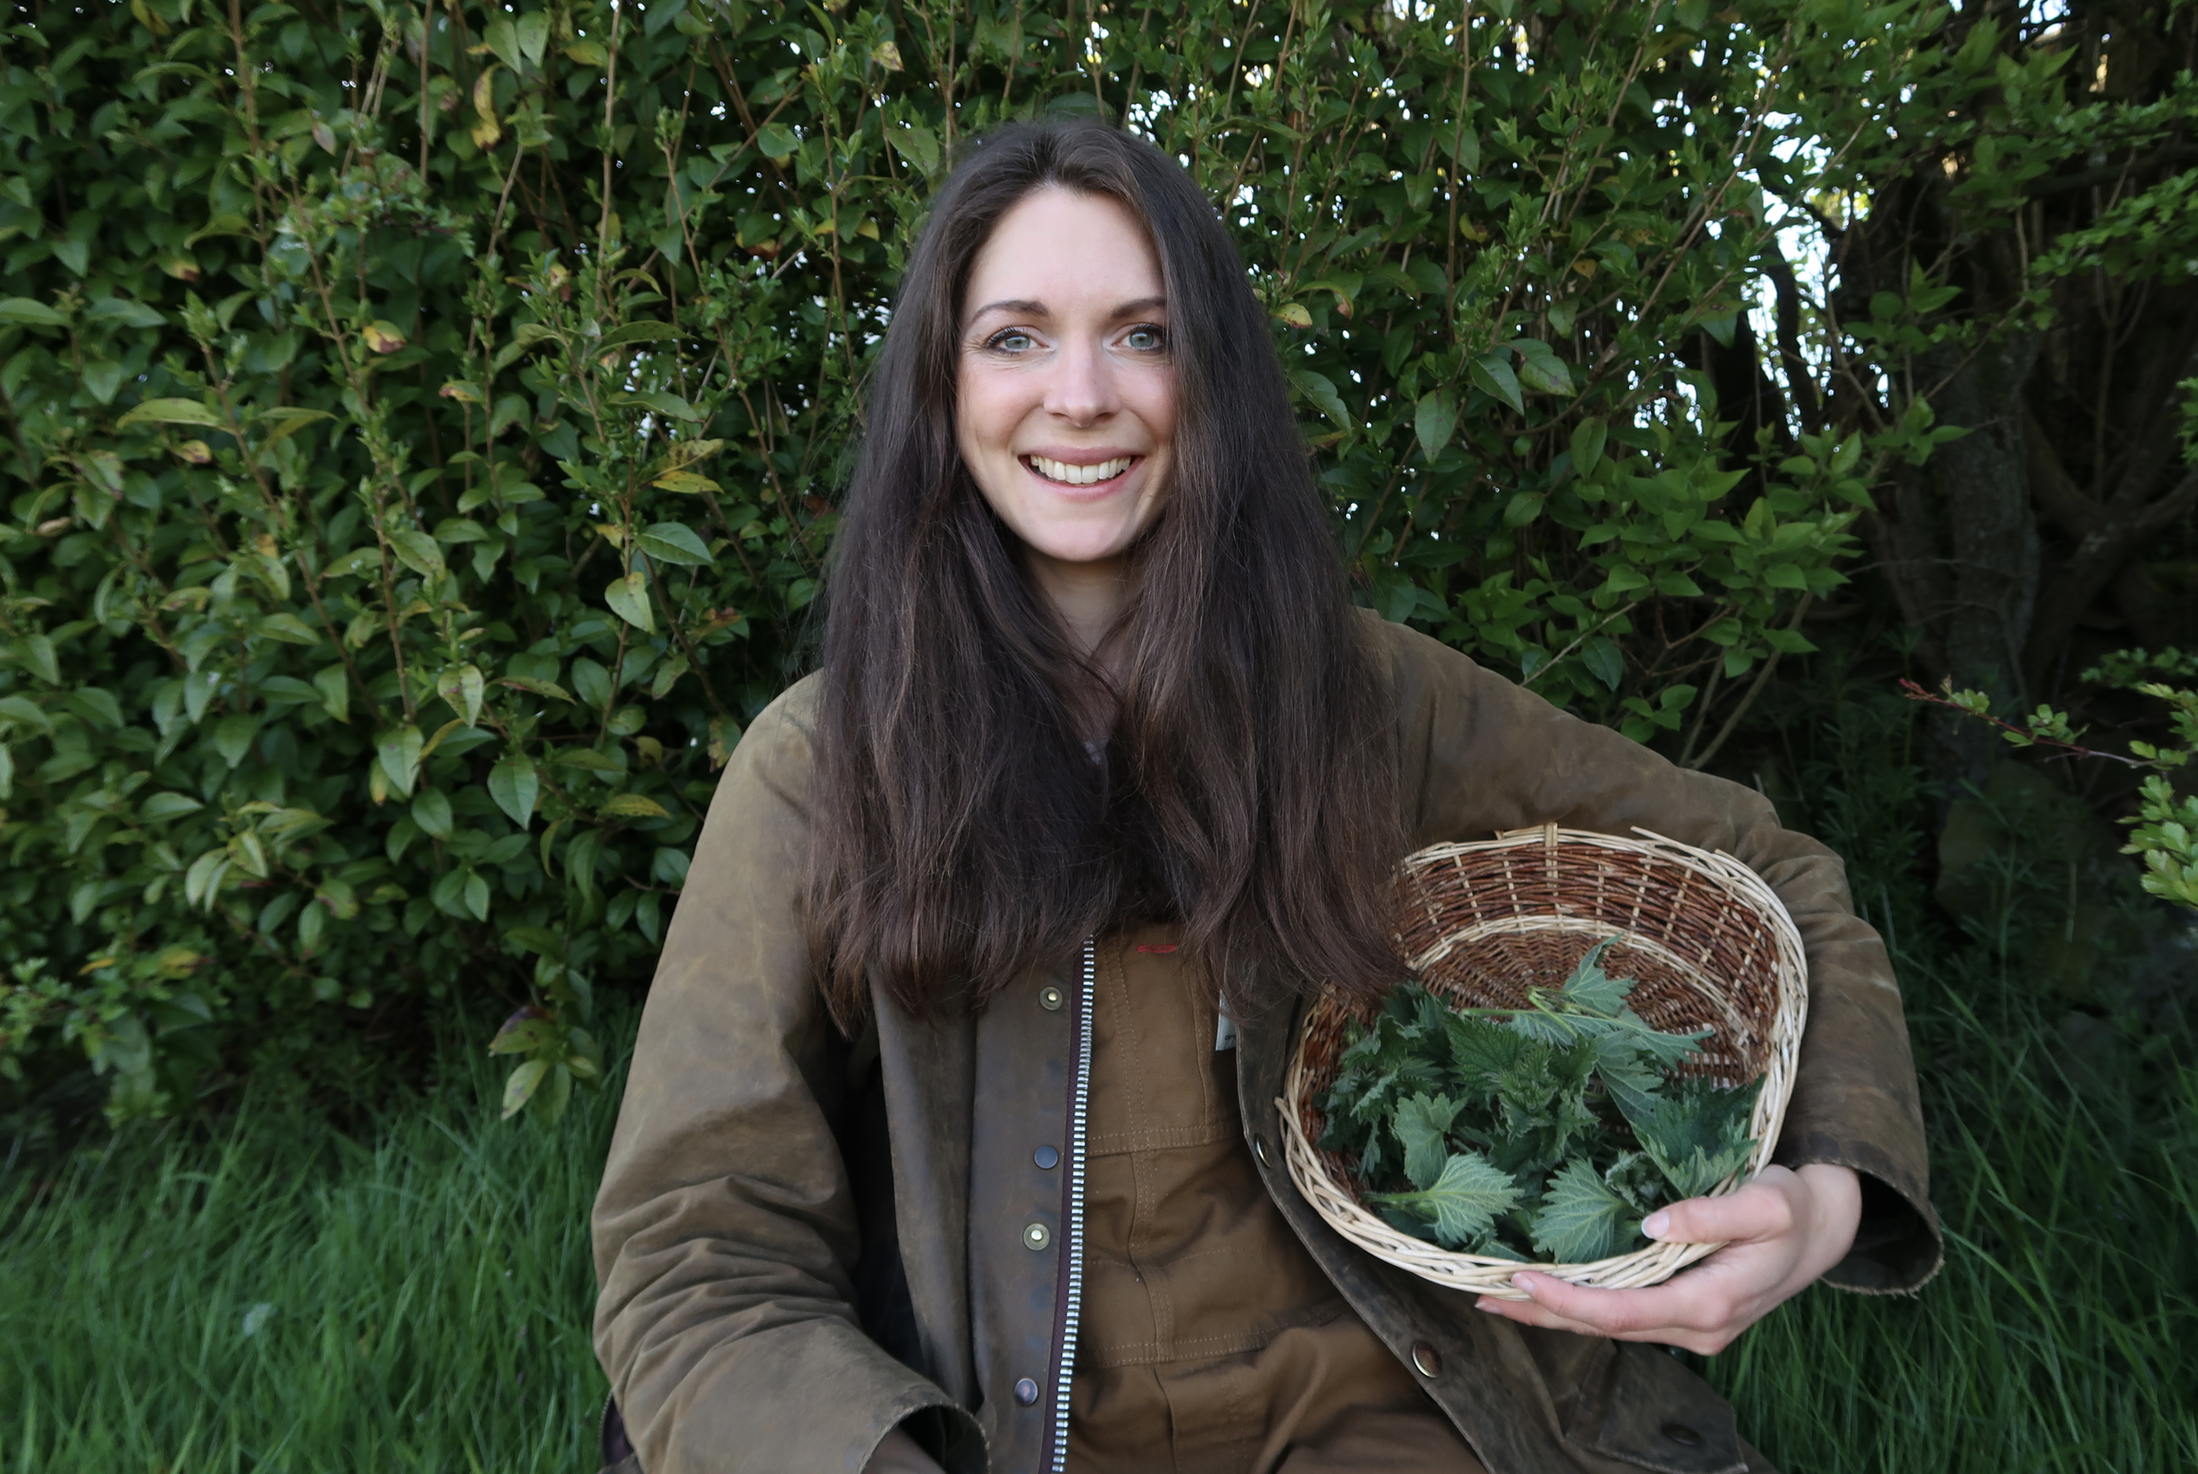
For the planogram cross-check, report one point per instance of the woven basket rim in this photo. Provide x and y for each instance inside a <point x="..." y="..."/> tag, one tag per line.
<point x="1334" y="1197"/>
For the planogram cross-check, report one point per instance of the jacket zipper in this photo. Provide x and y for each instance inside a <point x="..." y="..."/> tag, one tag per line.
<point x="1072" y="1216"/>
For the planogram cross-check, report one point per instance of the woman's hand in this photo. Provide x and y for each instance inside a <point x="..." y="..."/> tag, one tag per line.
<point x="1781" y="1231"/>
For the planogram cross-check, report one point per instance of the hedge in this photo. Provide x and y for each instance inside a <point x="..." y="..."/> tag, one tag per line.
<point x="426" y="420"/>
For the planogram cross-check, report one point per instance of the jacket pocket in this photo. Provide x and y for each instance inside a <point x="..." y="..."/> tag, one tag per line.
<point x="1649" y="1411"/>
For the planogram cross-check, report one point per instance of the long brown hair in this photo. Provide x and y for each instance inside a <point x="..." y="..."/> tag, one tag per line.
<point x="962" y="832"/>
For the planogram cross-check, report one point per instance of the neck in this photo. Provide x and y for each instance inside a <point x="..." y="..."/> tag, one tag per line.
<point x="1088" y="596"/>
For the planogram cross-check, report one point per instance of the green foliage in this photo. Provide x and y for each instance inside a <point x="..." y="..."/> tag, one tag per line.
<point x="2165" y="836"/>
<point x="424" y="423"/>
<point x="1512" y="1126"/>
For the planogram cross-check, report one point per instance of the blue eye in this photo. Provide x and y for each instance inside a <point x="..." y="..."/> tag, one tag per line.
<point x="1146" y="339"/>
<point x="1009" y="340"/>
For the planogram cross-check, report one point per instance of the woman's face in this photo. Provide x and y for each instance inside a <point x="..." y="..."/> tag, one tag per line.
<point x="1065" y="398"/>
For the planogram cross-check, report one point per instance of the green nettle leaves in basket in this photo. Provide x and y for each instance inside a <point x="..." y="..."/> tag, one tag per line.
<point x="1544" y="1131"/>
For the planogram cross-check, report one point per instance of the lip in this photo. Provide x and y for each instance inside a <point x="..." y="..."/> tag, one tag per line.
<point x="1079" y="455"/>
<point x="1092" y="491"/>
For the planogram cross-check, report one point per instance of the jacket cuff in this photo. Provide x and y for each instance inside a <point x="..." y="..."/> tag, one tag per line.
<point x="1898" y="1244"/>
<point x="946" y="1434"/>
<point x="814" y="1394"/>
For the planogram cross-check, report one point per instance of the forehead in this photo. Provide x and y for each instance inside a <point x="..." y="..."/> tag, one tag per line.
<point x="1073" y="253"/>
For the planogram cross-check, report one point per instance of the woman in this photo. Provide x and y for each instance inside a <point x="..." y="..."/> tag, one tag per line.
<point x="950" y="1139"/>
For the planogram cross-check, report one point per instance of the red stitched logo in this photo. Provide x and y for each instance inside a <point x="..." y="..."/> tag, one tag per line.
<point x="1156" y="947"/>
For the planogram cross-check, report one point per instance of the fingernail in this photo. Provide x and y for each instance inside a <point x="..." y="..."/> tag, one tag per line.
<point x="1655" y="1224"/>
<point x="1484" y="1303"/>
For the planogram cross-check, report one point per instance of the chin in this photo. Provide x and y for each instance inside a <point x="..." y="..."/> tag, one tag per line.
<point x="1070" y="548"/>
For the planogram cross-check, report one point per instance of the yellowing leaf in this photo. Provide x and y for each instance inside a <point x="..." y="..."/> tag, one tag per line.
<point x="1295" y="315"/>
<point x="686" y="481"/>
<point x="629" y="600"/>
<point x="633" y="806"/>
<point x="463" y="687"/>
<point x="487" y="131"/>
<point x="887" y="55"/>
<point x="587" y="54"/>
<point x="384" y="337"/>
<point x="195" y="452"/>
<point x="170" y="412"/>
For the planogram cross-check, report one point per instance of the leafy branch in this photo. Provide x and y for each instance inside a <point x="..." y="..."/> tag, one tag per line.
<point x="2164" y="830"/>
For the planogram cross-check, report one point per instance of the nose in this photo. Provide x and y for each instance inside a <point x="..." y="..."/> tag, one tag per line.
<point x="1082" y="389"/>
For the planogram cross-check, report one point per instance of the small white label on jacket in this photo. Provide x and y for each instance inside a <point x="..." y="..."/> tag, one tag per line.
<point x="1224" y="1031"/>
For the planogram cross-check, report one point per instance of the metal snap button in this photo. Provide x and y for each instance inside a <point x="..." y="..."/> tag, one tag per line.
<point x="1682" y="1435"/>
<point x="1051" y="998"/>
<point x="1047" y="1157"/>
<point x="1259" y="1149"/>
<point x="1036" y="1236"/>
<point x="1026" y="1392"/>
<point x="1426" y="1359"/>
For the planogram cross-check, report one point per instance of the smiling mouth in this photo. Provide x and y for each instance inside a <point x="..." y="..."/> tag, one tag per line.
<point x="1091" y="475"/>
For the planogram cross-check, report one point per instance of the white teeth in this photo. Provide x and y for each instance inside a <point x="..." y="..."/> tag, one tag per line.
<point x="1080" y="475"/>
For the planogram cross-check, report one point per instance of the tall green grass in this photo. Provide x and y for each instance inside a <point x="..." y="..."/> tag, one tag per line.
<point x="2062" y="1335"/>
<point x="283" y="1297"/>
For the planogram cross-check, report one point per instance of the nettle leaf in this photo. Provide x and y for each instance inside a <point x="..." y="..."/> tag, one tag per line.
<point x="1522" y="1098"/>
<point x="1592" y="989"/>
<point x="1420" y="1125"/>
<point x="1463" y="1201"/>
<point x="1581" y="1219"/>
<point x="1628" y="1074"/>
<point x="1698" y="1134"/>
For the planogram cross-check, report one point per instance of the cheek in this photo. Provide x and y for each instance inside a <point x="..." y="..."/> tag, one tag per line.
<point x="988" y="407"/>
<point x="1153" y="399"/>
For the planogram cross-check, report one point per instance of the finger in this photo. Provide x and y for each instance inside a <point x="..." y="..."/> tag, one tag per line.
<point x="1678" y="1304"/>
<point x="1528" y="1313"/>
<point x="1759" y="1210"/>
<point x="1532" y="1313"/>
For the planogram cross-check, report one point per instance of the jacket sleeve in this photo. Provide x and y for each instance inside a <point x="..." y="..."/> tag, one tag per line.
<point x="725" y="1227"/>
<point x="1482" y="755"/>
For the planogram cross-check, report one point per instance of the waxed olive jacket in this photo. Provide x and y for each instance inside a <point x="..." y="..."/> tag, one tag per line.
<point x="803" y="1240"/>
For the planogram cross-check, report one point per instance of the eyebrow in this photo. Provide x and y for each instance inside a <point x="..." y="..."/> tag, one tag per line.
<point x="1027" y="307"/>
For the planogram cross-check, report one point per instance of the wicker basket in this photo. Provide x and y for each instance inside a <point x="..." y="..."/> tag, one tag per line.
<point x="1706" y="939"/>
